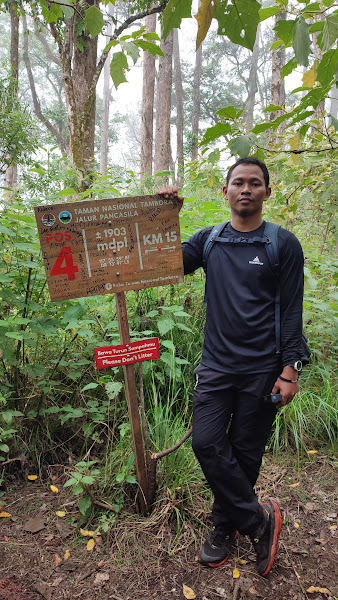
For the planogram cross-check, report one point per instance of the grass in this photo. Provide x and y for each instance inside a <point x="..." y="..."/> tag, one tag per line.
<point x="311" y="420"/>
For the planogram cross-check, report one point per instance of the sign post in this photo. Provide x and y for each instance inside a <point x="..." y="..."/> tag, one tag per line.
<point x="110" y="246"/>
<point x="132" y="402"/>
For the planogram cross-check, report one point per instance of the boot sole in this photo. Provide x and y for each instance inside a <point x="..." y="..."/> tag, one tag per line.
<point x="205" y="563"/>
<point x="276" y="533"/>
<point x="213" y="565"/>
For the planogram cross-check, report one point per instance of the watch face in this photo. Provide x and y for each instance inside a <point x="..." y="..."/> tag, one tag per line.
<point x="298" y="365"/>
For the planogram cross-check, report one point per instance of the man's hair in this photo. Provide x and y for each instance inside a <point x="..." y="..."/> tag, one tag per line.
<point x="251" y="160"/>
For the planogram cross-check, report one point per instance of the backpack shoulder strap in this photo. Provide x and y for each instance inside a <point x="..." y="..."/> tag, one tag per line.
<point x="214" y="233"/>
<point x="271" y="233"/>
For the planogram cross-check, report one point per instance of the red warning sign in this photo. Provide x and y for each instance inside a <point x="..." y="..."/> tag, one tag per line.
<point x="126" y="354"/>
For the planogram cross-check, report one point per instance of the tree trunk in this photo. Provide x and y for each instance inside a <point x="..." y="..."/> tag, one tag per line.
<point x="252" y="83"/>
<point x="163" y="108"/>
<point x="196" y="103"/>
<point x="80" y="76"/>
<point x="179" y="110"/>
<point x="106" y="102"/>
<point x="147" y="127"/>
<point x="334" y="102"/>
<point x="277" y="82"/>
<point x="318" y="54"/>
<point x="11" y="171"/>
<point x="84" y="67"/>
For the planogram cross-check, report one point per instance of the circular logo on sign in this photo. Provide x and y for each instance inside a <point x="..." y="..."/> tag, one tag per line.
<point x="108" y="286"/>
<point x="65" y="216"/>
<point x="48" y="219"/>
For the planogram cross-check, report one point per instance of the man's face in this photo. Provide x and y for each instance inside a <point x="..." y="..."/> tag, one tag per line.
<point x="246" y="190"/>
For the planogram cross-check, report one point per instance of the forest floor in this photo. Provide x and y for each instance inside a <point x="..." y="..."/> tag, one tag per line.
<point x="144" y="558"/>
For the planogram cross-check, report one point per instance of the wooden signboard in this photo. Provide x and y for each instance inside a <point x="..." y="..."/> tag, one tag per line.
<point x="111" y="245"/>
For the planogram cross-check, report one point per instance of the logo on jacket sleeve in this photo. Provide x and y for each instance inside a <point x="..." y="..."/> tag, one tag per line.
<point x="255" y="261"/>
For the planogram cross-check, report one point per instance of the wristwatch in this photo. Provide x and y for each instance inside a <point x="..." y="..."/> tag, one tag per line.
<point x="297" y="366"/>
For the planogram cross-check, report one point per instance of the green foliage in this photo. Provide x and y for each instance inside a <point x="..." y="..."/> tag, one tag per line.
<point x="238" y="21"/>
<point x="17" y="132"/>
<point x="311" y="420"/>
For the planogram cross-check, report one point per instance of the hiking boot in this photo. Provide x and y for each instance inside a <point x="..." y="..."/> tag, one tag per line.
<point x="265" y="538"/>
<point x="217" y="547"/>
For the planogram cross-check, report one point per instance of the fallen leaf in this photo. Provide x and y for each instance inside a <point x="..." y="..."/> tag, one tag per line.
<point x="236" y="574"/>
<point x="312" y="451"/>
<point x="57" y="560"/>
<point x="241" y="561"/>
<point x="188" y="592"/>
<point x="293" y="485"/>
<point x="253" y="591"/>
<point x="54" y="489"/>
<point x="60" y="513"/>
<point x="300" y="551"/>
<point x="101" y="578"/>
<point x="57" y="581"/>
<point x="333" y="527"/>
<point x="32" y="477"/>
<point x="5" y="514"/>
<point x="86" y="533"/>
<point x="44" y="590"/>
<point x="313" y="590"/>
<point x="35" y="524"/>
<point x="100" y="563"/>
<point x="63" y="529"/>
<point x="90" y="545"/>
<point x="67" y="554"/>
<point x="296" y="525"/>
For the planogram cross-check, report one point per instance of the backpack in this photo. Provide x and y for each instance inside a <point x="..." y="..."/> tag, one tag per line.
<point x="270" y="240"/>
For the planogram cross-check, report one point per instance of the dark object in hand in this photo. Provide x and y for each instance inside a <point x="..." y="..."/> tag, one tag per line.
<point x="273" y="398"/>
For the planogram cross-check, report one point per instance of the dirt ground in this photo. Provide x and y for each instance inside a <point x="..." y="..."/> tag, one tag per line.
<point x="144" y="558"/>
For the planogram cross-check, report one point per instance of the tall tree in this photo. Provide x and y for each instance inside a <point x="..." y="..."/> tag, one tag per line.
<point x="179" y="110"/>
<point x="163" y="160"/>
<point x="277" y="81"/>
<point x="106" y="102"/>
<point x="78" y="53"/>
<point x="252" y="86"/>
<point x="148" y="90"/>
<point x="11" y="172"/>
<point x="196" y="103"/>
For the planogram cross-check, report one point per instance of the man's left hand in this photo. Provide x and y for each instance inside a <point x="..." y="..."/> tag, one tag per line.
<point x="286" y="389"/>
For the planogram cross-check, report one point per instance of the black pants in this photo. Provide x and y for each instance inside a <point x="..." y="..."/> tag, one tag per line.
<point x="231" y="425"/>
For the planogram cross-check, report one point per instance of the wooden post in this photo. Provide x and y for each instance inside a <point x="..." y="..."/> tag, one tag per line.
<point x="134" y="415"/>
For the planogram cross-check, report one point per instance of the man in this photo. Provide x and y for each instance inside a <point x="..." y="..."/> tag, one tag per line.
<point x="239" y="366"/>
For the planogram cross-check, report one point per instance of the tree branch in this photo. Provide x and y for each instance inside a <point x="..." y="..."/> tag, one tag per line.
<point x="52" y="57"/>
<point x="145" y="13"/>
<point x="68" y="5"/>
<point x="158" y="455"/>
<point x="37" y="106"/>
<point x="316" y="150"/>
<point x="117" y="32"/>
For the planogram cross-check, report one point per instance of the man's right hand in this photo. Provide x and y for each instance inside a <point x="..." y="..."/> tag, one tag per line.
<point x="172" y="194"/>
